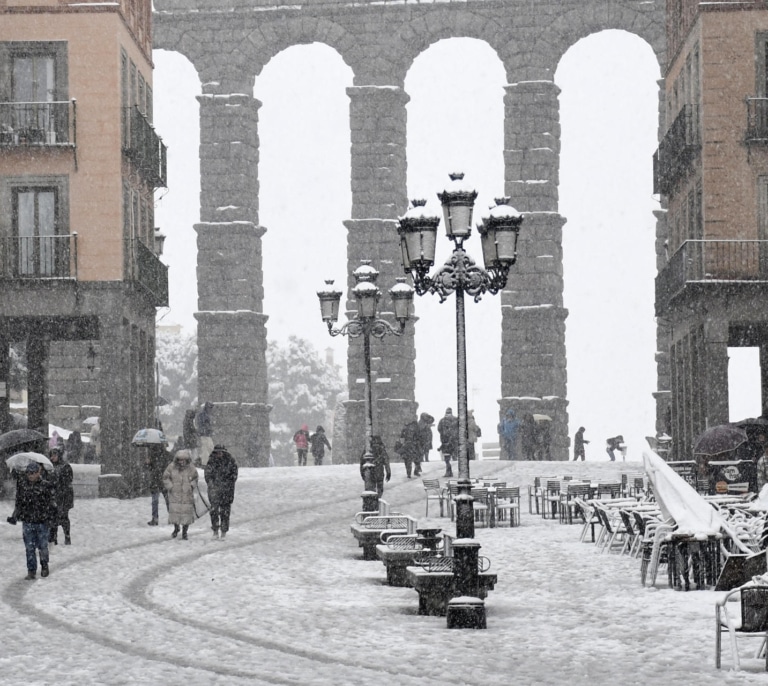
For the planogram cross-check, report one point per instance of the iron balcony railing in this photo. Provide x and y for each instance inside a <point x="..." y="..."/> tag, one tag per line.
<point x="757" y="120"/>
<point x="712" y="261"/>
<point x="677" y="151"/>
<point x="38" y="123"/>
<point x="39" y="257"/>
<point x="144" y="147"/>
<point x="145" y="269"/>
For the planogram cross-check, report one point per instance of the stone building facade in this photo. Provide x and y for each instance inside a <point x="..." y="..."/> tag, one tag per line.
<point x="229" y="43"/>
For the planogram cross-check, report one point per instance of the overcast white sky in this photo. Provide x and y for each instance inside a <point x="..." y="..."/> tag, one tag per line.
<point x="609" y="118"/>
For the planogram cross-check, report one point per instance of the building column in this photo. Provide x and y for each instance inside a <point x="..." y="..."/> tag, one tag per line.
<point x="6" y="423"/>
<point x="37" y="383"/>
<point x="378" y="156"/>
<point x="533" y="360"/>
<point x="231" y="326"/>
<point x="715" y="368"/>
<point x="764" y="378"/>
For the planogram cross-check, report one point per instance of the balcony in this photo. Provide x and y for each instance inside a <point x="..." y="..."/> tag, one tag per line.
<point x="39" y="257"/>
<point x="677" y="151"/>
<point x="144" y="147"/>
<point x="711" y="262"/>
<point x="757" y="121"/>
<point x="38" y="124"/>
<point x="148" y="272"/>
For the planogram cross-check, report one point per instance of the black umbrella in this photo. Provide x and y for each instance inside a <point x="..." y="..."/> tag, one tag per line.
<point x="719" y="439"/>
<point x="17" y="437"/>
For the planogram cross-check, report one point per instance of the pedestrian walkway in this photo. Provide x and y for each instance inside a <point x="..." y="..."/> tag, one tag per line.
<point x="286" y="599"/>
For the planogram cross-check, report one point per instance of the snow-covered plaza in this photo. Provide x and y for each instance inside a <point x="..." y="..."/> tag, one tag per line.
<point x="287" y="599"/>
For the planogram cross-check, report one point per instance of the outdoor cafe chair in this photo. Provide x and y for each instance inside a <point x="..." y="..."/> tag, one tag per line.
<point x="480" y="504"/>
<point x="453" y="491"/>
<point x="751" y="622"/>
<point x="655" y="550"/>
<point x="589" y="514"/>
<point x="608" y="490"/>
<point x="550" y="498"/>
<point x="434" y="491"/>
<point x="568" y="505"/>
<point x="614" y="534"/>
<point x="508" y="504"/>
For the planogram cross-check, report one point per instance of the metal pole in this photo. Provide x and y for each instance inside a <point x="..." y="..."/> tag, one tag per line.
<point x="370" y="495"/>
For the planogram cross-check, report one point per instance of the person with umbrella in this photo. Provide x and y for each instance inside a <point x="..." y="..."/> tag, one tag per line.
<point x="35" y="507"/>
<point x="220" y="477"/>
<point x="61" y="477"/>
<point x="179" y="479"/>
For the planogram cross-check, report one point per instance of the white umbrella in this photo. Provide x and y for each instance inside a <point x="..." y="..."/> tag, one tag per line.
<point x="19" y="461"/>
<point x="679" y="501"/>
<point x="146" y="437"/>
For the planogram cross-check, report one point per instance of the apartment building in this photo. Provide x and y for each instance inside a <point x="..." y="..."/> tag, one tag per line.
<point x="80" y="164"/>
<point x="711" y="171"/>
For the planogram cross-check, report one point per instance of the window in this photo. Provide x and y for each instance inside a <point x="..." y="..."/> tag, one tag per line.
<point x="36" y="228"/>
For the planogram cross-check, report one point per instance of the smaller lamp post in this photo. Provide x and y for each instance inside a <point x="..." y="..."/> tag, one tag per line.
<point x="459" y="275"/>
<point x="367" y="324"/>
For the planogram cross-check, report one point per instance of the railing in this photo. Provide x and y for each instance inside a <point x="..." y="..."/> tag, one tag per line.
<point x="38" y="123"/>
<point x="677" y="150"/>
<point x="757" y="120"/>
<point x="144" y="147"/>
<point x="710" y="261"/>
<point x="146" y="270"/>
<point x="39" y="257"/>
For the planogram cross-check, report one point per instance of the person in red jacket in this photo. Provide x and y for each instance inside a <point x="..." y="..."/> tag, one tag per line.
<point x="301" y="439"/>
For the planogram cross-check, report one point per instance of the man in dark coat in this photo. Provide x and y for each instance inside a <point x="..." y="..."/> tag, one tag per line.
<point x="425" y="434"/>
<point x="410" y="448"/>
<point x="64" y="494"/>
<point x="380" y="464"/>
<point x="156" y="461"/>
<point x="220" y="476"/>
<point x="578" y="445"/>
<point x="448" y="428"/>
<point x="35" y="507"/>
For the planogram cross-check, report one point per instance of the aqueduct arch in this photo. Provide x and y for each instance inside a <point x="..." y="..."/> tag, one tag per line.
<point x="229" y="43"/>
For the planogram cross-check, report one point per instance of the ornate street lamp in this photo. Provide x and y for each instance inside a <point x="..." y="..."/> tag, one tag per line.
<point x="367" y="324"/>
<point x="459" y="275"/>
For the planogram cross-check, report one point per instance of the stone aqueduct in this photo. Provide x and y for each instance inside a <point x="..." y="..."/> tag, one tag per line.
<point x="230" y="41"/>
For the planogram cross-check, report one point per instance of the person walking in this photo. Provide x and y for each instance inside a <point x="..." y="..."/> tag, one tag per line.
<point x="507" y="430"/>
<point x="75" y="449"/>
<point x="220" y="477"/>
<point x="613" y="444"/>
<point x="473" y="433"/>
<point x="410" y="448"/>
<point x="189" y="435"/>
<point x="156" y="461"/>
<point x="179" y="480"/>
<point x="204" y="424"/>
<point x="35" y="506"/>
<point x="64" y="495"/>
<point x="426" y="421"/>
<point x="301" y="439"/>
<point x="578" y="445"/>
<point x="318" y="441"/>
<point x="381" y="469"/>
<point x="448" y="430"/>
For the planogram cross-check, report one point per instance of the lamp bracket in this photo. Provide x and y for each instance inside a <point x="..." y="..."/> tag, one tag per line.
<point x="461" y="272"/>
<point x="378" y="328"/>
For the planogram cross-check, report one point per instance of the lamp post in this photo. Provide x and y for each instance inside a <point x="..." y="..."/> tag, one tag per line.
<point x="498" y="233"/>
<point x="367" y="324"/>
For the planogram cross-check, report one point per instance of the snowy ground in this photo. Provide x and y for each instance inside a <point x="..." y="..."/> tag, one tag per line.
<point x="286" y="599"/>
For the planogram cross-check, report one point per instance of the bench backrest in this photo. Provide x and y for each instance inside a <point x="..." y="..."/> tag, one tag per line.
<point x="404" y="542"/>
<point x="390" y="522"/>
<point x="511" y="493"/>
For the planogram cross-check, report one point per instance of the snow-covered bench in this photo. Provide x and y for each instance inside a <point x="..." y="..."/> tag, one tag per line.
<point x="400" y="551"/>
<point x="372" y="529"/>
<point x="433" y="579"/>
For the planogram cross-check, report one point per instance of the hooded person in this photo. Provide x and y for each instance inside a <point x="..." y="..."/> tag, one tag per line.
<point x="179" y="480"/>
<point x="63" y="492"/>
<point x="220" y="477"/>
<point x="448" y="429"/>
<point x="426" y="421"/>
<point x="318" y="441"/>
<point x="508" y="434"/>
<point x="381" y="469"/>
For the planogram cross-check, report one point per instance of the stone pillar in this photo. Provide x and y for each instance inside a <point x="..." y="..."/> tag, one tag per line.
<point x="114" y="384"/>
<point x="37" y="383"/>
<point x="533" y="360"/>
<point x="763" y="377"/>
<point x="715" y="371"/>
<point x="231" y="326"/>
<point x="5" y="387"/>
<point x="378" y="130"/>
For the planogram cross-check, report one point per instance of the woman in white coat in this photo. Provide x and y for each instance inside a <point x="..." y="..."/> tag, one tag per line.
<point x="179" y="480"/>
